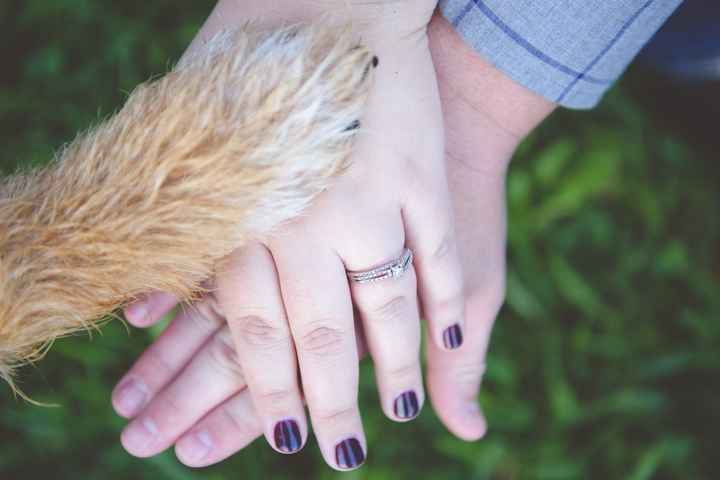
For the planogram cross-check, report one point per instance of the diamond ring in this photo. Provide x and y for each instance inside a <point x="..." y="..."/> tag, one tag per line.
<point x="393" y="269"/>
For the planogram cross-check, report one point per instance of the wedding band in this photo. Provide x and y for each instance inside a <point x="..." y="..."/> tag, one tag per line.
<point x="393" y="269"/>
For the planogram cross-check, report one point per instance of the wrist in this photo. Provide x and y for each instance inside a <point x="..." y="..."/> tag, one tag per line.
<point x="380" y="25"/>
<point x="495" y="100"/>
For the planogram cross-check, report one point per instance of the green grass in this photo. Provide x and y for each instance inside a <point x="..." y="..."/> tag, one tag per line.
<point x="603" y="362"/>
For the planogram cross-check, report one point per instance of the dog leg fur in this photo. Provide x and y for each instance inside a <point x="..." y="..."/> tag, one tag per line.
<point x="237" y="139"/>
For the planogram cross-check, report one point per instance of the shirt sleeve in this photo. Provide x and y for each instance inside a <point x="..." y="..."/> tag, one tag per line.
<point x="569" y="51"/>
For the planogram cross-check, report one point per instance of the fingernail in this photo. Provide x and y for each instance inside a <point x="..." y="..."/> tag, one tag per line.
<point x="196" y="447"/>
<point x="349" y="454"/>
<point x="452" y="337"/>
<point x="137" y="311"/>
<point x="131" y="397"/>
<point x="287" y="436"/>
<point x="406" y="405"/>
<point x="139" y="436"/>
<point x="375" y="61"/>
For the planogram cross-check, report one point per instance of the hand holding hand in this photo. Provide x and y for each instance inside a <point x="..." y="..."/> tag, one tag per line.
<point x="287" y="301"/>
<point x="486" y="115"/>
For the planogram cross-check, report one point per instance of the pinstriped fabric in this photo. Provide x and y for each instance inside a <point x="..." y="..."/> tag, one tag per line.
<point x="569" y="51"/>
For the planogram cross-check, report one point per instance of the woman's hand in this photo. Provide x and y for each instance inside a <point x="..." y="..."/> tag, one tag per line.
<point x="190" y="374"/>
<point x="287" y="301"/>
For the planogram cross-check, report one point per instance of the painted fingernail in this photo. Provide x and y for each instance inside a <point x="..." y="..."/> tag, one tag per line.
<point x="375" y="61"/>
<point x="287" y="436"/>
<point x="406" y="405"/>
<point x="141" y="435"/>
<point x="131" y="397"/>
<point x="349" y="454"/>
<point x="195" y="447"/>
<point x="452" y="337"/>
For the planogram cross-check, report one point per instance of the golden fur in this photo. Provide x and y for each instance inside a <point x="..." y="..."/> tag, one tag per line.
<point x="235" y="140"/>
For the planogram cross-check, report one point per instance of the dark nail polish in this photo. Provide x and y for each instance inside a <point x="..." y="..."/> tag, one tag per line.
<point x="287" y="436"/>
<point x="349" y="454"/>
<point x="375" y="61"/>
<point x="452" y="337"/>
<point x="406" y="405"/>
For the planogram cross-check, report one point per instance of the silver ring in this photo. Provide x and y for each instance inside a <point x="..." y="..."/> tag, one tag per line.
<point x="393" y="269"/>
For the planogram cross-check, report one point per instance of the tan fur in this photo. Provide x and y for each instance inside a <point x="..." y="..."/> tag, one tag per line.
<point x="234" y="141"/>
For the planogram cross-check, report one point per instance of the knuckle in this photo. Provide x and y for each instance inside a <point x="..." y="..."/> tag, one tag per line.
<point x="274" y="399"/>
<point x="322" y="341"/>
<point x="259" y="332"/>
<point x="223" y="355"/>
<point x="468" y="373"/>
<point x="404" y="374"/>
<point x="393" y="310"/>
<point x="335" y="414"/>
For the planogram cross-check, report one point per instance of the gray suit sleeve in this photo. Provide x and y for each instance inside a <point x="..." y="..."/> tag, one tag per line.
<point x="569" y="51"/>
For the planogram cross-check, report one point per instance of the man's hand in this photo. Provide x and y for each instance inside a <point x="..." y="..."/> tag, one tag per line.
<point x="486" y="115"/>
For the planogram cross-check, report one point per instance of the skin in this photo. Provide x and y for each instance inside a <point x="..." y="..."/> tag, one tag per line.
<point x="225" y="370"/>
<point x="290" y="312"/>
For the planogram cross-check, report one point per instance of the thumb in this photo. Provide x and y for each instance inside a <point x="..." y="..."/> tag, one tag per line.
<point x="454" y="376"/>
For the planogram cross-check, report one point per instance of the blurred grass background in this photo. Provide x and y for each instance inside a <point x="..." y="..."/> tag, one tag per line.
<point x="604" y="361"/>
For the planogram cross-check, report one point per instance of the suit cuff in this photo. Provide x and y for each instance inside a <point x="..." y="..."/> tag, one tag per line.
<point x="568" y="51"/>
